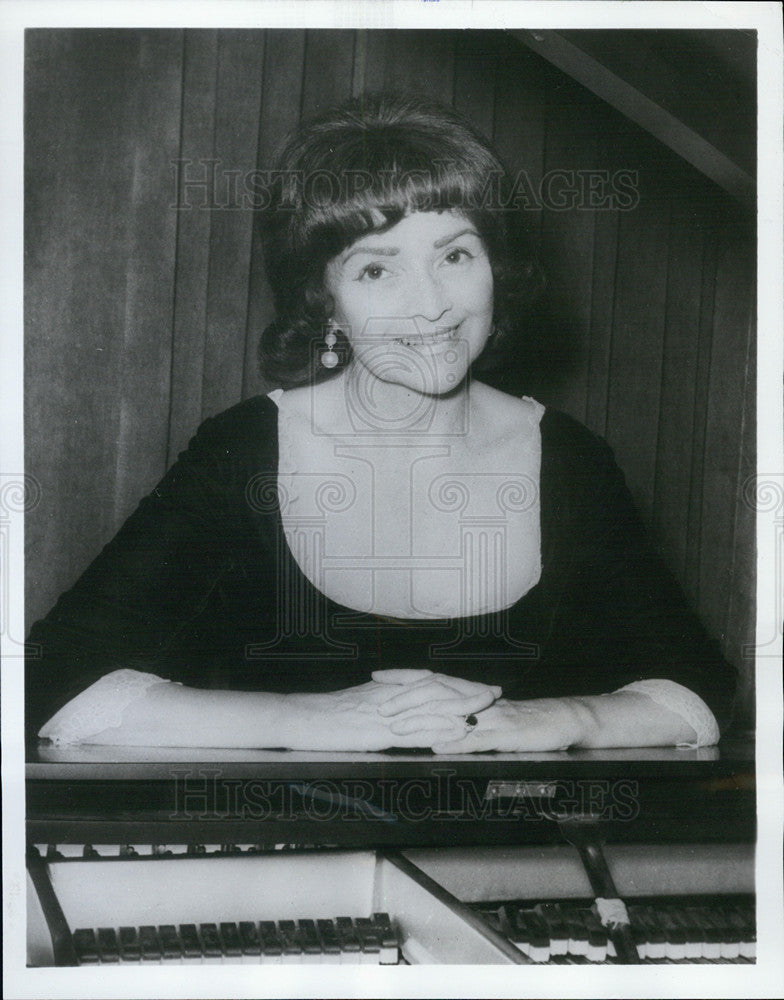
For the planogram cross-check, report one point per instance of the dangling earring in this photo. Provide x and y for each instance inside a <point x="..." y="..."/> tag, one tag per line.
<point x="329" y="358"/>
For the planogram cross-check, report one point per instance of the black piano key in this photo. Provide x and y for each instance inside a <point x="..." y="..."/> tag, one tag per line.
<point x="743" y="918"/>
<point x="577" y="931"/>
<point x="387" y="935"/>
<point x="711" y="938"/>
<point x="250" y="942"/>
<point x="368" y="938"/>
<point x="692" y="934"/>
<point x="129" y="945"/>
<point x="210" y="942"/>
<point x="231" y="940"/>
<point x="289" y="939"/>
<point x="347" y="935"/>
<point x="171" y="946"/>
<point x="107" y="944"/>
<point x="311" y="945"/>
<point x="514" y="928"/>
<point x="674" y="935"/>
<point x="189" y="939"/>
<point x="597" y="936"/>
<point x="85" y="945"/>
<point x="648" y="936"/>
<point x="271" y="947"/>
<point x="729" y="939"/>
<point x="328" y="934"/>
<point x="150" y="945"/>
<point x="538" y="935"/>
<point x="553" y="916"/>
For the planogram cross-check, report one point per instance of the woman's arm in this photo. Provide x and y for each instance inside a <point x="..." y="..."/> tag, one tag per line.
<point x="130" y="708"/>
<point x="621" y="616"/>
<point x="621" y="719"/>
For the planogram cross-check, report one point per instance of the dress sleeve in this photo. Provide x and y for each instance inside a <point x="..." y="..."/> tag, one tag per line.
<point x="618" y="616"/>
<point x="99" y="707"/>
<point x="145" y="587"/>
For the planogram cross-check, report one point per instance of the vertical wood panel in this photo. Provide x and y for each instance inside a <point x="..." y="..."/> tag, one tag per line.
<point x="193" y="236"/>
<point x="329" y="66"/>
<point x="238" y="103"/>
<point x="568" y="238"/>
<point x="281" y="98"/>
<point x="421" y="61"/>
<point x="725" y="404"/>
<point x="701" y="377"/>
<point x="370" y="55"/>
<point x="741" y="613"/>
<point x="518" y="130"/>
<point x="474" y="78"/>
<point x="676" y="413"/>
<point x="605" y="251"/>
<point x="95" y="181"/>
<point x="145" y="386"/>
<point x="638" y="328"/>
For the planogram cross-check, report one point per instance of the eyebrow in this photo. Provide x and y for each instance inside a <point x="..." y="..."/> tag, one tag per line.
<point x="392" y="251"/>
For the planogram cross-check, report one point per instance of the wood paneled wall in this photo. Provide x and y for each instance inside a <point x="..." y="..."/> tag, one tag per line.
<point x="142" y="319"/>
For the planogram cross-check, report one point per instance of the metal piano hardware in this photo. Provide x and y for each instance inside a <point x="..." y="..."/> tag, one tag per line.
<point x="236" y="856"/>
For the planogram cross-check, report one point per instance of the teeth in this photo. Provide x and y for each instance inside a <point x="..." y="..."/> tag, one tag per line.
<point x="433" y="338"/>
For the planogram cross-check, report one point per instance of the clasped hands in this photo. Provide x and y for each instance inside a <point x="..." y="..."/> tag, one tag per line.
<point x="420" y="708"/>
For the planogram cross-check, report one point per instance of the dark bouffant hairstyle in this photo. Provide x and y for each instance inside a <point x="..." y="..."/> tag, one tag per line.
<point x="379" y="155"/>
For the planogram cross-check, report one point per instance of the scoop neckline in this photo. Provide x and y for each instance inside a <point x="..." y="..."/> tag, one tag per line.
<point x="390" y="620"/>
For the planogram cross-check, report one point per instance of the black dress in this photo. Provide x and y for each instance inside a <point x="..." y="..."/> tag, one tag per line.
<point x="199" y="586"/>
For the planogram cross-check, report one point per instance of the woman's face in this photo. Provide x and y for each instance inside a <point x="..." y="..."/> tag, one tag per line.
<point x="416" y="302"/>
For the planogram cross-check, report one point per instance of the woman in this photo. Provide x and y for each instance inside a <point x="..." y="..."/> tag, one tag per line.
<point x="386" y="552"/>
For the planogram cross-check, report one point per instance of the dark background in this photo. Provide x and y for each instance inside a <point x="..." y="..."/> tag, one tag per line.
<point x="142" y="320"/>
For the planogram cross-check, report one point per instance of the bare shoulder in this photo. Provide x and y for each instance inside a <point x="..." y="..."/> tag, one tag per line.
<point x="498" y="417"/>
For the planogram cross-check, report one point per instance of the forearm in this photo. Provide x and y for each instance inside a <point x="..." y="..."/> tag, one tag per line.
<point x="177" y="716"/>
<point x="624" y="719"/>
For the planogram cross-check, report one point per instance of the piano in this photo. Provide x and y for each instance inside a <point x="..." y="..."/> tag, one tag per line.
<point x="188" y="856"/>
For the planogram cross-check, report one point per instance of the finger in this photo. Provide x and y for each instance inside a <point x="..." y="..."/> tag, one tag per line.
<point x="435" y="691"/>
<point x="440" y="723"/>
<point x="416" y="696"/>
<point x="400" y="676"/>
<point x="464" y="686"/>
<point x="455" y="706"/>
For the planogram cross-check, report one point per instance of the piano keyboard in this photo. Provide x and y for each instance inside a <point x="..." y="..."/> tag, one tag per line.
<point x="683" y="930"/>
<point x="95" y="904"/>
<point x="343" y="941"/>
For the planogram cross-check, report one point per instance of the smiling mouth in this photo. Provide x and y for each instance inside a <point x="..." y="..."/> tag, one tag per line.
<point x="421" y="339"/>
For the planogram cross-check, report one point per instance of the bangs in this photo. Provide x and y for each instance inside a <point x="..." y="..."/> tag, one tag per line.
<point x="384" y="177"/>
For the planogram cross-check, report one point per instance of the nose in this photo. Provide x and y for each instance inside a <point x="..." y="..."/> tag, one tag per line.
<point x="428" y="300"/>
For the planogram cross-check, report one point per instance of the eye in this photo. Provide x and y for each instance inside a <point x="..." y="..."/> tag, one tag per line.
<point x="372" y="272"/>
<point x="457" y="254"/>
